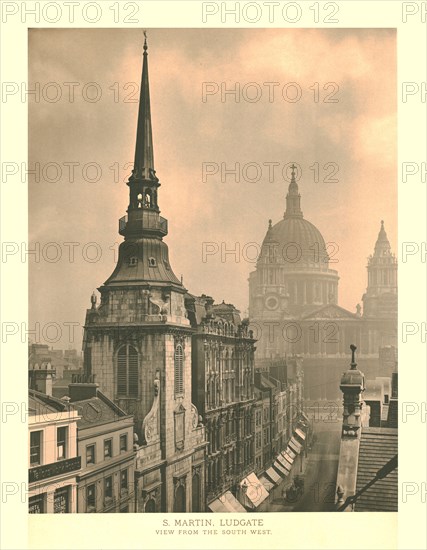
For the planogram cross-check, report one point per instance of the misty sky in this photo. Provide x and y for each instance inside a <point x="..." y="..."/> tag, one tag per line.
<point x="357" y="133"/>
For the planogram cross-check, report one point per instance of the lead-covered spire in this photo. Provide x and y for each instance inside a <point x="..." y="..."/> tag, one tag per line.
<point x="144" y="156"/>
<point x="293" y="198"/>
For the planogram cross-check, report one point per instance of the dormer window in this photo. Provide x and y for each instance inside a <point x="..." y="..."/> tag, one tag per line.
<point x="133" y="260"/>
<point x="152" y="262"/>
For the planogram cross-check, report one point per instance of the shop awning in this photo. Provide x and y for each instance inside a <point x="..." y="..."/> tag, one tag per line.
<point x="226" y="503"/>
<point x="273" y="475"/>
<point x="300" y="434"/>
<point x="269" y="485"/>
<point x="293" y="444"/>
<point x="284" y="462"/>
<point x="288" y="458"/>
<point x="282" y="471"/>
<point x="290" y="453"/>
<point x="253" y="490"/>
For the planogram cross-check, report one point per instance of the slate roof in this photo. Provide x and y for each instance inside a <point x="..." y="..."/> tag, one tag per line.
<point x="96" y="411"/>
<point x="39" y="403"/>
<point x="377" y="447"/>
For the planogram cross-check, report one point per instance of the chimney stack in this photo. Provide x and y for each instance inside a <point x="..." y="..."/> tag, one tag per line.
<point x="82" y="387"/>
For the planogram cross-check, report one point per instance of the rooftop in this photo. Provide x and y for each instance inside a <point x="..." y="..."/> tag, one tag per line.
<point x="377" y="447"/>
<point x="97" y="410"/>
<point x="40" y="403"/>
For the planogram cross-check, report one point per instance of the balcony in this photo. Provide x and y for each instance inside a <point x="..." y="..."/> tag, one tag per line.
<point x="157" y="223"/>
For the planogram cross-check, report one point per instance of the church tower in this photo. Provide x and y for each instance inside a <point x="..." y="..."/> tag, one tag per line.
<point x="381" y="293"/>
<point x="137" y="342"/>
<point x="380" y="298"/>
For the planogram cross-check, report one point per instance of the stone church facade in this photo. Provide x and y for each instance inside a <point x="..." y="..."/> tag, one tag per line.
<point x="137" y="342"/>
<point x="293" y="304"/>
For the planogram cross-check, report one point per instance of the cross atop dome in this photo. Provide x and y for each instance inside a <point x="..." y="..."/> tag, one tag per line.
<point x="293" y="168"/>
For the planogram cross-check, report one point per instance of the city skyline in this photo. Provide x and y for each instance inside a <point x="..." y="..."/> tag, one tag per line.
<point x="206" y="212"/>
<point x="208" y="415"/>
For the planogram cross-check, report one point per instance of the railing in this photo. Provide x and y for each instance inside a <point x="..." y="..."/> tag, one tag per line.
<point x="159" y="223"/>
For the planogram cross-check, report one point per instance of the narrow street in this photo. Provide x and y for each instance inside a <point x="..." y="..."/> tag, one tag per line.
<point x="321" y="470"/>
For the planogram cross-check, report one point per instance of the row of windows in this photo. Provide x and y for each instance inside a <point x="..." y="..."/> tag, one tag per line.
<point x="36" y="445"/>
<point x="91" y="492"/>
<point x="108" y="449"/>
<point x="61" y="503"/>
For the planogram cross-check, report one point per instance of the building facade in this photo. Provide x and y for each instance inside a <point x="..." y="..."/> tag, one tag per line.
<point x="105" y="445"/>
<point x="223" y="391"/>
<point x="54" y="463"/>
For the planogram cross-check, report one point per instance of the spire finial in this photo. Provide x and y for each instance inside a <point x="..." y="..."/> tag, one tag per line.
<point x="145" y="43"/>
<point x="293" y="167"/>
<point x="270" y="224"/>
<point x="353" y="358"/>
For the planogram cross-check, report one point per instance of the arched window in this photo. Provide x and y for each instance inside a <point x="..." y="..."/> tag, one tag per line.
<point x="147" y="200"/>
<point x="127" y="371"/>
<point x="179" y="370"/>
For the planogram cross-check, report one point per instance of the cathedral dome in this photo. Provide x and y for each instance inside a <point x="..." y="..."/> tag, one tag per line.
<point x="296" y="241"/>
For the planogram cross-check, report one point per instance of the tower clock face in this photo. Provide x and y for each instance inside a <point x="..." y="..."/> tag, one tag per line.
<point x="272" y="302"/>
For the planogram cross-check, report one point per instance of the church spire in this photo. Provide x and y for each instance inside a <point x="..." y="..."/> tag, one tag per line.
<point x="293" y="198"/>
<point x="143" y="210"/>
<point x="144" y="157"/>
<point x="382" y="246"/>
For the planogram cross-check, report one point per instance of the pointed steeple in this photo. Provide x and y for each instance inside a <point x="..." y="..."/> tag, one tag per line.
<point x="144" y="156"/>
<point x="382" y="246"/>
<point x="293" y="198"/>
<point x="143" y="210"/>
<point x="382" y="278"/>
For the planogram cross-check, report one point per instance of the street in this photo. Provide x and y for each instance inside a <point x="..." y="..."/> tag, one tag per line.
<point x="321" y="466"/>
<point x="321" y="470"/>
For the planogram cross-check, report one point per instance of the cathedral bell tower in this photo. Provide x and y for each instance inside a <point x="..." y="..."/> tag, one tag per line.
<point x="382" y="268"/>
<point x="137" y="342"/>
<point x="380" y="298"/>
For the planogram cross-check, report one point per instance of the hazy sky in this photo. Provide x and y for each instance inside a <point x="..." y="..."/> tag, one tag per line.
<point x="357" y="133"/>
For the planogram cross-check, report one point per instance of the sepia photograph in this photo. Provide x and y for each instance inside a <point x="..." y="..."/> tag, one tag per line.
<point x="212" y="261"/>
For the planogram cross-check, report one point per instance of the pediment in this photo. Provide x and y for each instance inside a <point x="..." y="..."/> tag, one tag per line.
<point x="330" y="311"/>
